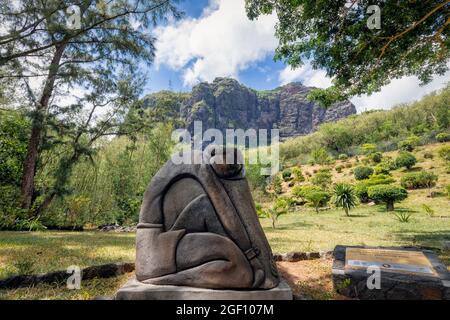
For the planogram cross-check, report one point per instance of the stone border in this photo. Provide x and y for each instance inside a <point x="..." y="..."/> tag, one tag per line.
<point x="60" y="277"/>
<point x="301" y="256"/>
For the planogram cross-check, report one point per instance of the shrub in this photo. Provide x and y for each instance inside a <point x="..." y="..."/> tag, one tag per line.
<point x="344" y="197"/>
<point x="322" y="178"/>
<point x="348" y="165"/>
<point x="343" y="157"/>
<point x="317" y="198"/>
<point x="361" y="189"/>
<point x="376" y="157"/>
<point x="444" y="153"/>
<point x="362" y="172"/>
<point x="443" y="137"/>
<point x="320" y="156"/>
<point x="409" y="143"/>
<point x="405" y="159"/>
<point x="387" y="194"/>
<point x="287" y="174"/>
<point x="368" y="148"/>
<point x="339" y="168"/>
<point x="301" y="191"/>
<point x="419" y="180"/>
<point x="298" y="176"/>
<point x="381" y="169"/>
<point x="276" y="185"/>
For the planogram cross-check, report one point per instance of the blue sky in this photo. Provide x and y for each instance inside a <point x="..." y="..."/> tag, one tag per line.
<point x="216" y="39"/>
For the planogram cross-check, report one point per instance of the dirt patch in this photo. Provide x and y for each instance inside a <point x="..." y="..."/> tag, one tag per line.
<point x="310" y="279"/>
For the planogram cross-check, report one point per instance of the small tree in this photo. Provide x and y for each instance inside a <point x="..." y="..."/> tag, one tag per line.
<point x="405" y="159"/>
<point x="279" y="207"/>
<point x="298" y="175"/>
<point x="320" y="156"/>
<point x="362" y="172"/>
<point x="317" y="198"/>
<point x="322" y="178"/>
<point x="387" y="194"/>
<point x="344" y="197"/>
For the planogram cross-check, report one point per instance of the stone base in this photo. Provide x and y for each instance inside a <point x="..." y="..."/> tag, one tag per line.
<point x="393" y="285"/>
<point x="135" y="290"/>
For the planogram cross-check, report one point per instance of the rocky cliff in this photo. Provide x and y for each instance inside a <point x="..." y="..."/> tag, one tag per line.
<point x="225" y="103"/>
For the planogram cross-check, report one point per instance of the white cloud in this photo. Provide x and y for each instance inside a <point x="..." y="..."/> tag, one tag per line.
<point x="306" y="74"/>
<point x="222" y="42"/>
<point x="404" y="90"/>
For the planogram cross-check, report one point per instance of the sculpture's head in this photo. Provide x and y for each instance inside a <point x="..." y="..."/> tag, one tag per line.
<point x="227" y="163"/>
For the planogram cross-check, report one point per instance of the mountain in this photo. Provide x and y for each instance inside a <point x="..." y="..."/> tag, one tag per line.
<point x="225" y="103"/>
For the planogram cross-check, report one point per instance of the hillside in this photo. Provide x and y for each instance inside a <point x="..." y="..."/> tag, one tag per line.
<point x="225" y="103"/>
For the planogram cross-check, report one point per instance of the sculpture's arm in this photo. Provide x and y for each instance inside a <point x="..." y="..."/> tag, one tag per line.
<point x="155" y="250"/>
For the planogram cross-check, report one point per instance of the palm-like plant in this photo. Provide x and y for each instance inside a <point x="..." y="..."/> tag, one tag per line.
<point x="344" y="197"/>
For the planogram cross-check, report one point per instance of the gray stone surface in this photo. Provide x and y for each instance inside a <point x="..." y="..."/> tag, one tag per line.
<point x="135" y="290"/>
<point x="198" y="228"/>
<point x="394" y="285"/>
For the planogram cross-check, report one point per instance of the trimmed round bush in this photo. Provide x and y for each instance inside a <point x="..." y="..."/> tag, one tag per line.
<point x="362" y="172"/>
<point x="388" y="194"/>
<point x="339" y="168"/>
<point x="343" y="157"/>
<point x="287" y="174"/>
<point x="419" y="180"/>
<point x="405" y="159"/>
<point x="376" y="157"/>
<point x="443" y="137"/>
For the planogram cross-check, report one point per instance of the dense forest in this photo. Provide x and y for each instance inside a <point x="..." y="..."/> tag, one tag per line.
<point x="107" y="185"/>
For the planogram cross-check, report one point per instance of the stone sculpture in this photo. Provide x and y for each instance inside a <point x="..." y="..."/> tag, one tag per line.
<point x="198" y="227"/>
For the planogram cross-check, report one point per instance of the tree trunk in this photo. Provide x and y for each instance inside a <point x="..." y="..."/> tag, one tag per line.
<point x="390" y="206"/>
<point x="29" y="165"/>
<point x="346" y="212"/>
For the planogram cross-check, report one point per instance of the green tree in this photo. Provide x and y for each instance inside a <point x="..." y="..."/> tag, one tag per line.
<point x="387" y="194"/>
<point x="344" y="197"/>
<point x="317" y="198"/>
<point x="100" y="57"/>
<point x="279" y="207"/>
<point x="322" y="178"/>
<point x="362" y="172"/>
<point x="413" y="39"/>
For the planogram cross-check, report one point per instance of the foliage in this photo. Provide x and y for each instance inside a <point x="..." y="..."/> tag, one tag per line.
<point x="403" y="215"/>
<point x="344" y="197"/>
<point x="339" y="168"/>
<point x="418" y="180"/>
<point x="316" y="197"/>
<point x="387" y="194"/>
<point x="405" y="159"/>
<point x="276" y="184"/>
<point x="428" y="210"/>
<point x="343" y="157"/>
<point x="444" y="153"/>
<point x="362" y="172"/>
<point x="383" y="128"/>
<point x="287" y="174"/>
<point x="320" y="156"/>
<point x="368" y="148"/>
<point x="280" y="207"/>
<point x="361" y="188"/>
<point x="411" y="40"/>
<point x="443" y="137"/>
<point x="376" y="157"/>
<point x="322" y="178"/>
<point x="298" y="175"/>
<point x="409" y="144"/>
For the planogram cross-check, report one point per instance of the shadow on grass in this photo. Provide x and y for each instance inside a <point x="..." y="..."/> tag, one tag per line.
<point x="424" y="238"/>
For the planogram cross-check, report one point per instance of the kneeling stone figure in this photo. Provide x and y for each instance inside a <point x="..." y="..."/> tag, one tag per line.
<point x="198" y="227"/>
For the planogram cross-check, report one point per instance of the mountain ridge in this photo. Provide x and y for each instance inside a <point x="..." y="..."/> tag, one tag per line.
<point x="225" y="103"/>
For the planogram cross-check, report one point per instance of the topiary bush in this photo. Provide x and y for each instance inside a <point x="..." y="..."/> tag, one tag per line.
<point x="362" y="172"/>
<point x="409" y="144"/>
<point x="376" y="157"/>
<point x="339" y="168"/>
<point x="443" y="137"/>
<point x="287" y="174"/>
<point x="361" y="189"/>
<point x="388" y="194"/>
<point x="405" y="159"/>
<point x="419" y="180"/>
<point x="343" y="157"/>
<point x="322" y="178"/>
